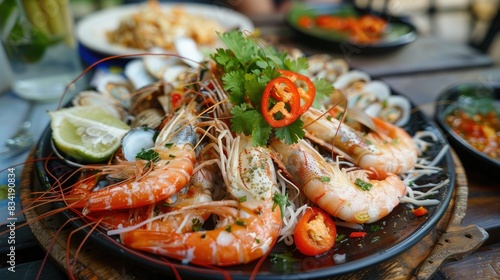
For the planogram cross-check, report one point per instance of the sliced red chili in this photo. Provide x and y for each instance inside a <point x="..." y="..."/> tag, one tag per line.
<point x="176" y="99"/>
<point x="420" y="211"/>
<point x="357" y="234"/>
<point x="284" y="109"/>
<point x="306" y="94"/>
<point x="315" y="232"/>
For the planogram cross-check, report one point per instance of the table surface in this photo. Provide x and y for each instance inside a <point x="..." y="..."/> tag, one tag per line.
<point x="421" y="84"/>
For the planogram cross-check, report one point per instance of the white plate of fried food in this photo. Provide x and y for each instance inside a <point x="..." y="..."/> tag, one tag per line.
<point x="136" y="28"/>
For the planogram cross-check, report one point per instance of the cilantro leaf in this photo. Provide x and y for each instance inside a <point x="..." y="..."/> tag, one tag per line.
<point x="254" y="89"/>
<point x="267" y="75"/>
<point x="248" y="67"/>
<point x="249" y="121"/>
<point x="242" y="119"/>
<point x="291" y="133"/>
<point x="234" y="84"/>
<point x="262" y="132"/>
<point x="300" y="65"/>
<point x="323" y="90"/>
<point x="226" y="60"/>
<point x="239" y="44"/>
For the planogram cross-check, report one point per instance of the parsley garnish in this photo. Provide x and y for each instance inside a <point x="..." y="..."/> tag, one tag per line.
<point x="248" y="67"/>
<point x="363" y="185"/>
<point x="325" y="179"/>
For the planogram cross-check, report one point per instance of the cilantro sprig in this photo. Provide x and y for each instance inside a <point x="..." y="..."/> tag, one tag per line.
<point x="247" y="68"/>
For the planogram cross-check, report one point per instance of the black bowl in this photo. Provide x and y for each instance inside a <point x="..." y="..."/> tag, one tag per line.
<point x="449" y="100"/>
<point x="397" y="233"/>
<point x="400" y="32"/>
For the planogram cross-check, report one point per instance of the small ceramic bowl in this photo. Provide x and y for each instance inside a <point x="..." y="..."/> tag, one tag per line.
<point x="469" y="97"/>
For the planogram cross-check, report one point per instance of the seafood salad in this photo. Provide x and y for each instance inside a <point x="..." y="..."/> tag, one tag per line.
<point x="249" y="149"/>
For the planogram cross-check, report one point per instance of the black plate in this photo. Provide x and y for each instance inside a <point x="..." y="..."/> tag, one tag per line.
<point x="399" y="32"/>
<point x="399" y="231"/>
<point x="447" y="101"/>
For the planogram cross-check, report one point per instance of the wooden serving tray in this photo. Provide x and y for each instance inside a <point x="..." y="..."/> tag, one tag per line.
<point x="447" y="241"/>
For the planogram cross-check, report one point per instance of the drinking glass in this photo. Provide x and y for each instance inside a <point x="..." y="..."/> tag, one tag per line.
<point x="38" y="39"/>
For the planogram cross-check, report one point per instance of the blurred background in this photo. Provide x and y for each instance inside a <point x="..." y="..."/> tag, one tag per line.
<point x="453" y="20"/>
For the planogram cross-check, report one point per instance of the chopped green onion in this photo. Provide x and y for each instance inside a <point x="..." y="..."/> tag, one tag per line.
<point x="325" y="179"/>
<point x="363" y="185"/>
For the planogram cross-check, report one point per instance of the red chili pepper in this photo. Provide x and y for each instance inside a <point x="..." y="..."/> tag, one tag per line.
<point x="420" y="211"/>
<point x="287" y="104"/>
<point x="315" y="232"/>
<point x="306" y="94"/>
<point x="357" y="234"/>
<point x="176" y="99"/>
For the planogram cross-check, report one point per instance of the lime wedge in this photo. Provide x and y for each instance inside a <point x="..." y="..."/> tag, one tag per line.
<point x="87" y="133"/>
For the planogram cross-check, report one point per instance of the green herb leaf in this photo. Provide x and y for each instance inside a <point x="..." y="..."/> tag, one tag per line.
<point x="248" y="67"/>
<point x="250" y="122"/>
<point x="281" y="201"/>
<point x="148" y="155"/>
<point x="300" y="65"/>
<point x="363" y="185"/>
<point x="292" y="133"/>
<point x="234" y="84"/>
<point x="323" y="90"/>
<point x="325" y="179"/>
<point x="241" y="223"/>
<point x="197" y="225"/>
<point x="340" y="237"/>
<point x="283" y="257"/>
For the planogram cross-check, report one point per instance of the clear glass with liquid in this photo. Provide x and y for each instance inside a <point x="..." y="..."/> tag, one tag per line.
<point x="38" y="40"/>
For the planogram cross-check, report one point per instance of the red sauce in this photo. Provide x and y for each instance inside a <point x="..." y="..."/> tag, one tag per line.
<point x="481" y="131"/>
<point x="365" y="29"/>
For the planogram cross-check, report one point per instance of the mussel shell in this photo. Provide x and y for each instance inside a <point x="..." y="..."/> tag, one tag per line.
<point x="148" y="97"/>
<point x="116" y="87"/>
<point x="350" y="79"/>
<point x="94" y="98"/>
<point x="136" y="72"/>
<point x="397" y="110"/>
<point x="151" y="118"/>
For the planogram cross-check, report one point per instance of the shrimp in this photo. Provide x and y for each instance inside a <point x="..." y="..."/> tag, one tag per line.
<point x="388" y="150"/>
<point x="169" y="172"/>
<point x="250" y="223"/>
<point x="198" y="191"/>
<point x="337" y="190"/>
